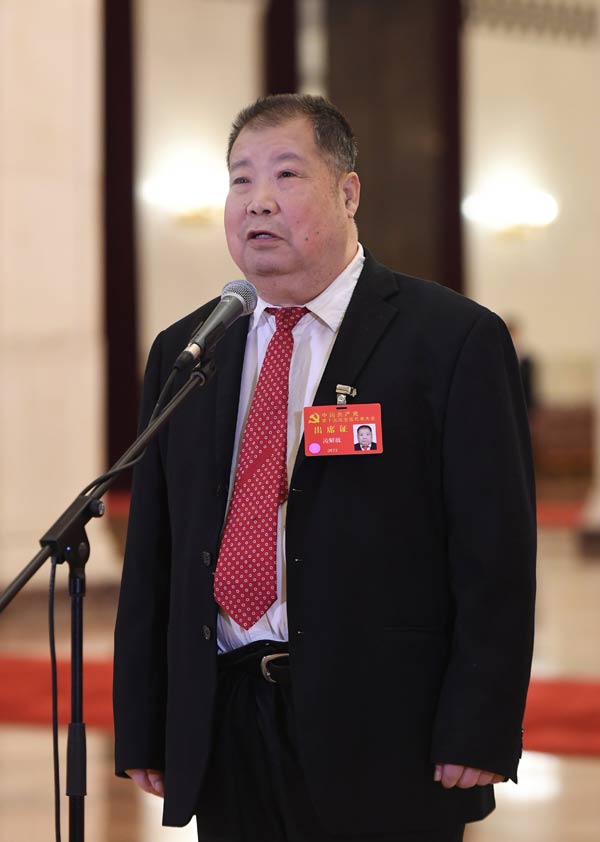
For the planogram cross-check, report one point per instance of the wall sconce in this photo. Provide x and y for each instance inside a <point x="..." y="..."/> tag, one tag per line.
<point x="508" y="203"/>
<point x="189" y="186"/>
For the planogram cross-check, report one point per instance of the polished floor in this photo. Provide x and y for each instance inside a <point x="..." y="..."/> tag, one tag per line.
<point x="557" y="799"/>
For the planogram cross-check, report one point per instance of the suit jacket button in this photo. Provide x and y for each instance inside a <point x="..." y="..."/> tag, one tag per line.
<point x="206" y="632"/>
<point x="206" y="558"/>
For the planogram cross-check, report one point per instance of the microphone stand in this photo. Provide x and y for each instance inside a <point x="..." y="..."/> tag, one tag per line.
<point x="66" y="540"/>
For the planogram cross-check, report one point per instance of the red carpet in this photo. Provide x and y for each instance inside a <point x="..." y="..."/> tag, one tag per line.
<point x="25" y="696"/>
<point x="563" y="717"/>
<point x="557" y="513"/>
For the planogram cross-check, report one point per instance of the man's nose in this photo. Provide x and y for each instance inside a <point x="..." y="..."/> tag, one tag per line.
<point x="261" y="203"/>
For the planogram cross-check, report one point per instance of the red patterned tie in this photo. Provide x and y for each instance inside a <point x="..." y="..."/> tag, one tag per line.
<point x="246" y="576"/>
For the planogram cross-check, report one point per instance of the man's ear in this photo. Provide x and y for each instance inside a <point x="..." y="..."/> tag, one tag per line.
<point x="351" y="188"/>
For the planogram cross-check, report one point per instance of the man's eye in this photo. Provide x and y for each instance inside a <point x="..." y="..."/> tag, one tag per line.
<point x="241" y="179"/>
<point x="287" y="174"/>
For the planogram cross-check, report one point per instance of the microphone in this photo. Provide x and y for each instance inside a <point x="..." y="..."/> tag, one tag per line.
<point x="238" y="298"/>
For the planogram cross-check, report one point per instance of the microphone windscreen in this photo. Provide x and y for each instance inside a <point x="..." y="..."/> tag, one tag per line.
<point x="244" y="291"/>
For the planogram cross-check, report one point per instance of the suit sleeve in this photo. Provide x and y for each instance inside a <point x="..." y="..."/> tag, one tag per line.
<point x="140" y="678"/>
<point x="490" y="507"/>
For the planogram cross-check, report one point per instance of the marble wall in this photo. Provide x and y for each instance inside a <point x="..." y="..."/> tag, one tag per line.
<point x="531" y="105"/>
<point x="197" y="63"/>
<point x="51" y="338"/>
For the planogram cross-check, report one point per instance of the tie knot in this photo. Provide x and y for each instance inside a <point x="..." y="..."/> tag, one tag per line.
<point x="286" y="318"/>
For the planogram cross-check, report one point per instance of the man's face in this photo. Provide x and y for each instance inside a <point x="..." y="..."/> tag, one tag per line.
<point x="365" y="437"/>
<point x="288" y="215"/>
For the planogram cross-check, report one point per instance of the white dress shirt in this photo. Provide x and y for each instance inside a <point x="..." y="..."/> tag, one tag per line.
<point x="314" y="336"/>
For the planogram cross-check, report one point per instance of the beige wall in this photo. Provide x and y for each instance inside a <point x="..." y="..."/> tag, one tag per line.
<point x="533" y="101"/>
<point x="198" y="63"/>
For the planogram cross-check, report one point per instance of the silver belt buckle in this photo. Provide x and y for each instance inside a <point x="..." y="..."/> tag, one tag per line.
<point x="264" y="665"/>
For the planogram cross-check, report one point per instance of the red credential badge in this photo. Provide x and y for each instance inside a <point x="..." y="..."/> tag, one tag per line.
<point x="353" y="430"/>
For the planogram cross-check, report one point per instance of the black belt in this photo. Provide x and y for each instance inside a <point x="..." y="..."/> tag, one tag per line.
<point x="266" y="659"/>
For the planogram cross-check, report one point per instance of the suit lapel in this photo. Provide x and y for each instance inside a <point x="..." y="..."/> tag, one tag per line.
<point x="369" y="313"/>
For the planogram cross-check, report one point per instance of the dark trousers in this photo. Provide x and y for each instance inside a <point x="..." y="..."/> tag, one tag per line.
<point x="255" y="790"/>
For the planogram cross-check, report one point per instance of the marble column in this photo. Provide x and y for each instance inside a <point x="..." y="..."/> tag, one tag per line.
<point x="51" y="335"/>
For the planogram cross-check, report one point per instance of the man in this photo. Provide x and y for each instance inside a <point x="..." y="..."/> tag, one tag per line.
<point x="287" y="668"/>
<point x="365" y="441"/>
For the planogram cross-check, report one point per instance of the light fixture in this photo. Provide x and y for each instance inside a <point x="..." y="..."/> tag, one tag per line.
<point x="190" y="185"/>
<point x="509" y="202"/>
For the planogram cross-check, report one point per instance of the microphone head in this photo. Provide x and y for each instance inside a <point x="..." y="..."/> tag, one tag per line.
<point x="244" y="291"/>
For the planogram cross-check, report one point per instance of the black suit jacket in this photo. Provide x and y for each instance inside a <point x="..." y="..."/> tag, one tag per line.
<point x="372" y="447"/>
<point x="410" y="629"/>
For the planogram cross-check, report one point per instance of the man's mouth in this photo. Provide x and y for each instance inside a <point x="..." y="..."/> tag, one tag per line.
<point x="262" y="235"/>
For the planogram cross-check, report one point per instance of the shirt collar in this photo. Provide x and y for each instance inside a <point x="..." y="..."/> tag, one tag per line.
<point x="331" y="304"/>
